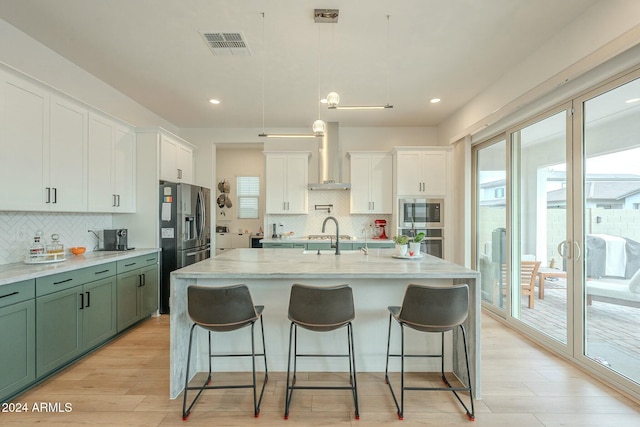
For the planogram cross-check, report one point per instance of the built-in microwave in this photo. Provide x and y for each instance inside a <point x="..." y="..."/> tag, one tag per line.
<point x="421" y="213"/>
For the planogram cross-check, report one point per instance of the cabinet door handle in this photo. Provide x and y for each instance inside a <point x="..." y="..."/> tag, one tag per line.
<point x="179" y="173"/>
<point x="88" y="299"/>
<point x="81" y="301"/>
<point x="48" y="194"/>
<point x="144" y="279"/>
<point x="10" y="295"/>
<point x="55" y="195"/>
<point x="113" y="200"/>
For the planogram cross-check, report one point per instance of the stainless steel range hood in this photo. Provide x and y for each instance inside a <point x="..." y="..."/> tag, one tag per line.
<point x="330" y="162"/>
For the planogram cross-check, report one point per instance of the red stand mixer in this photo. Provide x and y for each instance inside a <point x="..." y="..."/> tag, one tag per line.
<point x="379" y="229"/>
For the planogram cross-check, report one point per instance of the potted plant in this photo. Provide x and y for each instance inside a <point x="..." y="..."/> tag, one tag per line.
<point x="414" y="244"/>
<point x="401" y="244"/>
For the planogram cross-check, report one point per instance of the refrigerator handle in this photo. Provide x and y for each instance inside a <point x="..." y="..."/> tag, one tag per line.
<point x="201" y="215"/>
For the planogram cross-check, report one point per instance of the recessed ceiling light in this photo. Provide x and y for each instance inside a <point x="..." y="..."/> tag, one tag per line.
<point x="435" y="100"/>
<point x="214" y="101"/>
<point x="632" y="100"/>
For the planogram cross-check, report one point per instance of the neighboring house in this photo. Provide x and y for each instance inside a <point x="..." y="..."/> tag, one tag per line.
<point x="605" y="191"/>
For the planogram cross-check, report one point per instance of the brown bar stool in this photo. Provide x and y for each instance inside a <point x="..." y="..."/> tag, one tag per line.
<point x="431" y="309"/>
<point x="321" y="309"/>
<point x="224" y="309"/>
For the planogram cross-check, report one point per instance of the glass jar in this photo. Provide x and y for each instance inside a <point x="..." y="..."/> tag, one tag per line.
<point x="55" y="249"/>
<point x="36" y="250"/>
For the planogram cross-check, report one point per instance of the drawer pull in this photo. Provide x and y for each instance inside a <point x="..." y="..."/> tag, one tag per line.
<point x="10" y="295"/>
<point x="63" y="281"/>
<point x="101" y="272"/>
<point x="129" y="265"/>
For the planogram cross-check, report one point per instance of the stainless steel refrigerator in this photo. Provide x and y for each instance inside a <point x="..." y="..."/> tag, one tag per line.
<point x="185" y="230"/>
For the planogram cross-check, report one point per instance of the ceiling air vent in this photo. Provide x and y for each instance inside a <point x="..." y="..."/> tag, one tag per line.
<point x="225" y="44"/>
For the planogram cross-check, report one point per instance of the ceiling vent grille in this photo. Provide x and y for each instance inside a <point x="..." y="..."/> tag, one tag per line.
<point x="225" y="44"/>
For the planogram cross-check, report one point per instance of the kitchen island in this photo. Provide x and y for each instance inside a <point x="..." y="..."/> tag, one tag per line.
<point x="378" y="281"/>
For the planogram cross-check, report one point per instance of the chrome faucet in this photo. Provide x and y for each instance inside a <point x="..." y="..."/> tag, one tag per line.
<point x="324" y="223"/>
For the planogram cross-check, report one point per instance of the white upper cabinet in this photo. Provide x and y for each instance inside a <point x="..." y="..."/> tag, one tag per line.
<point x="111" y="159"/>
<point x="371" y="183"/>
<point x="68" y="156"/>
<point x="176" y="161"/>
<point x="24" y="126"/>
<point x="423" y="172"/>
<point x="44" y="165"/>
<point x="287" y="176"/>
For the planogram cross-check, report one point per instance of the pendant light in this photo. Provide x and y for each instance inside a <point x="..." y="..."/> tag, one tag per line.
<point x="318" y="126"/>
<point x="333" y="99"/>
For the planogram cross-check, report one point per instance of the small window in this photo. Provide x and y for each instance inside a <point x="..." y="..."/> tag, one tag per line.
<point x="498" y="193"/>
<point x="248" y="197"/>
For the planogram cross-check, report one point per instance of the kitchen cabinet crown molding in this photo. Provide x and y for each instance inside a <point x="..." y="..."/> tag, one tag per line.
<point x="163" y="131"/>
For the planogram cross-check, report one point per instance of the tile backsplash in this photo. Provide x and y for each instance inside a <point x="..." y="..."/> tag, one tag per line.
<point x="303" y="225"/>
<point x="18" y="228"/>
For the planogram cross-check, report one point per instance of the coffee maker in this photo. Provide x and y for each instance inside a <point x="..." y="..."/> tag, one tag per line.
<point x="113" y="240"/>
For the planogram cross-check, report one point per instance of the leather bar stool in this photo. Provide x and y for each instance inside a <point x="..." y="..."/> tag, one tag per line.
<point x="321" y="309"/>
<point x="430" y="309"/>
<point x="224" y="309"/>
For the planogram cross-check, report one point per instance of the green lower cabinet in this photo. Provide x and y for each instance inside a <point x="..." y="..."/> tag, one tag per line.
<point x="137" y="290"/>
<point x="58" y="329"/>
<point x="72" y="321"/>
<point x="18" y="350"/>
<point x="99" y="312"/>
<point x="277" y="245"/>
<point x="373" y="245"/>
<point x="149" y="290"/>
<point x="128" y="313"/>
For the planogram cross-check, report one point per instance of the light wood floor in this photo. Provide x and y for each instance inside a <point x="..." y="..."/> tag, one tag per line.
<point x="126" y="384"/>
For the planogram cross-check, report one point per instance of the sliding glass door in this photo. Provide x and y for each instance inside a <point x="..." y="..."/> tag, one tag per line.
<point x="491" y="219"/>
<point x="538" y="275"/>
<point x="610" y="199"/>
<point x="557" y="228"/>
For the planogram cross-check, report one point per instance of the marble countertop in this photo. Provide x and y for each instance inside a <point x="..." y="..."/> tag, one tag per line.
<point x="295" y="263"/>
<point x="15" y="272"/>
<point x="304" y="239"/>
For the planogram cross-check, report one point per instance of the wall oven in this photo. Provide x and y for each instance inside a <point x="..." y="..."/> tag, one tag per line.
<point x="421" y="213"/>
<point x="433" y="242"/>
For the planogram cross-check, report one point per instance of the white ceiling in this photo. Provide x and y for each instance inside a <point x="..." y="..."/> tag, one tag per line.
<point x="152" y="51"/>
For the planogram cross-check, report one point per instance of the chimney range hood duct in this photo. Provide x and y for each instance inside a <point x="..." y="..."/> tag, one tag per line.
<point x="330" y="162"/>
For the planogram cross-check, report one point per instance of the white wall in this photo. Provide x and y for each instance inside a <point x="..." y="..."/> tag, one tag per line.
<point x="23" y="53"/>
<point x="603" y="31"/>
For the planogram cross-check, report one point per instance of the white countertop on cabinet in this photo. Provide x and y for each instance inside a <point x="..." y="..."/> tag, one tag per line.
<point x="15" y="272"/>
<point x="285" y="263"/>
<point x="327" y="240"/>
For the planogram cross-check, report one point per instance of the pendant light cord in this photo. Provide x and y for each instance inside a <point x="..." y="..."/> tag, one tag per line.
<point x="388" y="58"/>
<point x="263" y="55"/>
